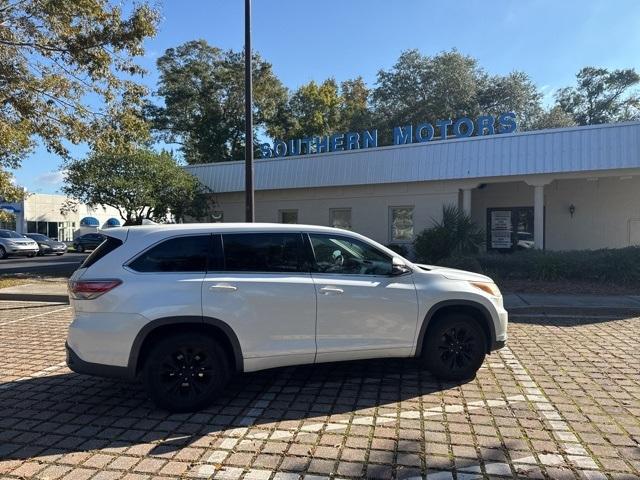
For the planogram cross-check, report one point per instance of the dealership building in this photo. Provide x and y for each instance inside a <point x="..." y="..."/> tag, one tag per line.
<point x="560" y="189"/>
<point x="48" y="214"/>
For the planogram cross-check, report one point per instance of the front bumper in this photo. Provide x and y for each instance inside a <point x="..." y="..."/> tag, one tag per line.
<point x="16" y="250"/>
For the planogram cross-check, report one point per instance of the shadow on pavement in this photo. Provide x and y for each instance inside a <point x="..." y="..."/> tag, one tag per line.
<point x="73" y="413"/>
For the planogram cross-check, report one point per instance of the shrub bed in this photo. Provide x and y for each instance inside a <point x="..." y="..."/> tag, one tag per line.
<point x="620" y="266"/>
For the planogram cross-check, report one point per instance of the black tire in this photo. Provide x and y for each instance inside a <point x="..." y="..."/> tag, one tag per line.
<point x="454" y="347"/>
<point x="31" y="255"/>
<point x="3" y="252"/>
<point x="80" y="249"/>
<point x="200" y="361"/>
<point x="59" y="254"/>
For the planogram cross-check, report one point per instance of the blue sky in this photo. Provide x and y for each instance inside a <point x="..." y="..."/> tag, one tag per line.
<point x="315" y="39"/>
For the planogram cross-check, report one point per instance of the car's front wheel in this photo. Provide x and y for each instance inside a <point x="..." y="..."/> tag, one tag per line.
<point x="454" y="347"/>
<point x="185" y="372"/>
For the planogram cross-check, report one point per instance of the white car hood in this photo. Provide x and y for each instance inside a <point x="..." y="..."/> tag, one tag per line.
<point x="454" y="274"/>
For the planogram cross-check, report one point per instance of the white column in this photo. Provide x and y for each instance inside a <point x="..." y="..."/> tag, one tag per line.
<point x="466" y="201"/>
<point x="538" y="216"/>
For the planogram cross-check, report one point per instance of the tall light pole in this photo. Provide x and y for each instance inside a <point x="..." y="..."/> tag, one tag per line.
<point x="248" y="113"/>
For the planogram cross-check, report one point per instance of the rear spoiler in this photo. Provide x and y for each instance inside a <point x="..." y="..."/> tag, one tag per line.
<point x="121" y="233"/>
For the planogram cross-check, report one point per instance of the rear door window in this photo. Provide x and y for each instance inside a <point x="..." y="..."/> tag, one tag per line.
<point x="263" y="252"/>
<point x="178" y="254"/>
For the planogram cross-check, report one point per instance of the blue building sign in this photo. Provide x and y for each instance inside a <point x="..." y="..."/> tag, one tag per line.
<point x="423" y="132"/>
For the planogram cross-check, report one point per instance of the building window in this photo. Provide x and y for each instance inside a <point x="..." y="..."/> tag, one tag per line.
<point x="340" y="218"/>
<point x="401" y="219"/>
<point x="288" y="216"/>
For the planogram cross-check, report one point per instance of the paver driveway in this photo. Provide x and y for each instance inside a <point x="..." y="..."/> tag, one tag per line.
<point x="562" y="401"/>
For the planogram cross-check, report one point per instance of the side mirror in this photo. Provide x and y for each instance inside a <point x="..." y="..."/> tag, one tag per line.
<point x="398" y="267"/>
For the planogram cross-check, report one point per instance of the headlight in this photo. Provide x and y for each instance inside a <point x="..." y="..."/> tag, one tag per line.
<point x="487" y="287"/>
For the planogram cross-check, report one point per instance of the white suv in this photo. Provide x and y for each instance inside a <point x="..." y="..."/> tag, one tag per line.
<point x="182" y="307"/>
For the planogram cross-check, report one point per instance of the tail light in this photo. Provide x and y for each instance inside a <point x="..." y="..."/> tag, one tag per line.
<point x="90" y="289"/>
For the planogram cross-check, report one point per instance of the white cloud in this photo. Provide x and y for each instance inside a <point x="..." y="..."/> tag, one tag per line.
<point x="50" y="179"/>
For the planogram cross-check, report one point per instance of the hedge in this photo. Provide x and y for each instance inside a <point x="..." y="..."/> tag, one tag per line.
<point x="620" y="266"/>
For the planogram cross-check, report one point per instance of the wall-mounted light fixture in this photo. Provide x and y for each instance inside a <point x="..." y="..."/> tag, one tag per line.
<point x="572" y="209"/>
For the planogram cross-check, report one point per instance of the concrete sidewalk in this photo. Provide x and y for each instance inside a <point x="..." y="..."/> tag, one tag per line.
<point x="522" y="301"/>
<point x="55" y="292"/>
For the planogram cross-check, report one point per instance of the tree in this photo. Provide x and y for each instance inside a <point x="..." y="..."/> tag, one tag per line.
<point x="420" y="88"/>
<point x="202" y="88"/>
<point x="355" y="114"/>
<point x="139" y="184"/>
<point x="601" y="96"/>
<point x="53" y="56"/>
<point x="59" y="61"/>
<point x="554" y="117"/>
<point x="321" y="109"/>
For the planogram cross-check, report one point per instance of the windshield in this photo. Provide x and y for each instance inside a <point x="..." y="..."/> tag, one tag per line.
<point x="39" y="237"/>
<point x="10" y="234"/>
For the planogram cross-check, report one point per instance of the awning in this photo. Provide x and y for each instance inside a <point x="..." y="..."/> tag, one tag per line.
<point x="89" y="222"/>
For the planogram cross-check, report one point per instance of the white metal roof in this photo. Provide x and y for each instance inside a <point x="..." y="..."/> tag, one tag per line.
<point x="563" y="150"/>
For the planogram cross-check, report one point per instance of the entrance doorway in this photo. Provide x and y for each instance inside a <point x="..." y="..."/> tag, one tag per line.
<point x="510" y="228"/>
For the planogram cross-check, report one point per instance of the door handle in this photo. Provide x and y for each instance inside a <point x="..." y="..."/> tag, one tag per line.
<point x="223" y="287"/>
<point x="329" y="290"/>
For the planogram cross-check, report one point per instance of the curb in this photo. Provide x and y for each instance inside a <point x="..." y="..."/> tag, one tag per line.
<point x="35" y="297"/>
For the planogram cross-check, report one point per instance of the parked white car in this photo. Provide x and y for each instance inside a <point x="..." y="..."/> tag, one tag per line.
<point x="182" y="307"/>
<point x="14" y="243"/>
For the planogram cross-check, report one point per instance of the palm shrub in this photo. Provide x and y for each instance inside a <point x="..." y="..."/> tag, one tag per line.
<point x="454" y="235"/>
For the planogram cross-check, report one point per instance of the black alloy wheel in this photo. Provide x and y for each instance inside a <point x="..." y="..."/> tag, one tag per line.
<point x="185" y="372"/>
<point x="455" y="347"/>
<point x="3" y="252"/>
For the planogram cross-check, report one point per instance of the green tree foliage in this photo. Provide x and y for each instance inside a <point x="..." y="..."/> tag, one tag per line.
<point x="53" y="55"/>
<point x="602" y="96"/>
<point x="321" y="109"/>
<point x="422" y="88"/>
<point x="202" y="88"/>
<point x="554" y="117"/>
<point x="454" y="234"/>
<point x="140" y="184"/>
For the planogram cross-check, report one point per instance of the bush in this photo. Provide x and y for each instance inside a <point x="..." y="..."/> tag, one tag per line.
<point x="455" y="234"/>
<point x="400" y="249"/>
<point x="619" y="266"/>
<point x="468" y="263"/>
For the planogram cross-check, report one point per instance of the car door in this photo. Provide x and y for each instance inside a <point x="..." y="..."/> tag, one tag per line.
<point x="265" y="293"/>
<point x="363" y="310"/>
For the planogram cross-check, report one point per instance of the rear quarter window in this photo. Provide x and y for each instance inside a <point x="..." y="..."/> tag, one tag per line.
<point x="104" y="249"/>
<point x="179" y="254"/>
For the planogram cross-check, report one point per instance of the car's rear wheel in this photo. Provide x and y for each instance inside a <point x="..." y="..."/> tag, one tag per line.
<point x="3" y="252"/>
<point x="454" y="347"/>
<point x="185" y="372"/>
<point x="80" y="249"/>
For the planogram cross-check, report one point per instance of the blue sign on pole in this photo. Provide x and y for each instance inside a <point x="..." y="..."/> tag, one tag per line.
<point x="402" y="135"/>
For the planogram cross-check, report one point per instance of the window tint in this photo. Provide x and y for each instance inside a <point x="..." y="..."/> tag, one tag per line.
<point x="180" y="254"/>
<point x="106" y="247"/>
<point x="263" y="252"/>
<point x="344" y="255"/>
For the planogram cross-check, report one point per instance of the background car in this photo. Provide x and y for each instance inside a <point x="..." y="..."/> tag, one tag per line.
<point x="88" y="241"/>
<point x="14" y="243"/>
<point x="47" y="245"/>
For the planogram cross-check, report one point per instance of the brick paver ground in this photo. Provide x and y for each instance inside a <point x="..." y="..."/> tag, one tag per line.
<point x="562" y="401"/>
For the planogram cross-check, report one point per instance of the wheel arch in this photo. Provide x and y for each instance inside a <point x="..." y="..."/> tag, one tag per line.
<point x="474" y="309"/>
<point x="161" y="327"/>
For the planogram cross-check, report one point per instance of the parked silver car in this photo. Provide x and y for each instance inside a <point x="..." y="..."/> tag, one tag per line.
<point x="14" y="243"/>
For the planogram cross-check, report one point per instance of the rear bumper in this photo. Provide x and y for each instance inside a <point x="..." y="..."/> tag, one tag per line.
<point x="75" y="363"/>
